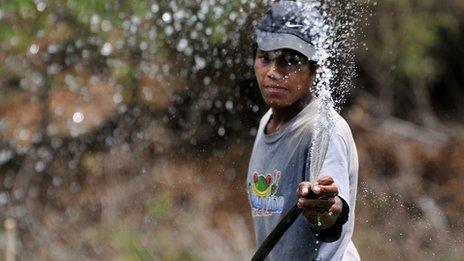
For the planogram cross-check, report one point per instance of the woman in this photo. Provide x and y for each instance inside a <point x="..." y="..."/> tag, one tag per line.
<point x="285" y="68"/>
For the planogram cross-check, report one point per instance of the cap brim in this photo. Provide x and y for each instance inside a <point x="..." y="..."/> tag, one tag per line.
<point x="273" y="41"/>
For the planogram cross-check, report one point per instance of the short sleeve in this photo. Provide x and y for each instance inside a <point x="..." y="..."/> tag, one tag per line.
<point x="336" y="166"/>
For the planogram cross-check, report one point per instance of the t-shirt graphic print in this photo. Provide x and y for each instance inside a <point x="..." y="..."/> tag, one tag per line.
<point x="263" y="193"/>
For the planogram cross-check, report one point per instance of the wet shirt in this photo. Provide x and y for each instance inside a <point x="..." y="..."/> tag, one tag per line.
<point x="278" y="164"/>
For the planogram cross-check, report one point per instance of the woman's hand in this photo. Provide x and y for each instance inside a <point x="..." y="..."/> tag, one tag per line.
<point x="319" y="198"/>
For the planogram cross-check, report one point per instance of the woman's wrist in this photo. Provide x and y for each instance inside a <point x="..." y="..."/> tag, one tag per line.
<point x="327" y="219"/>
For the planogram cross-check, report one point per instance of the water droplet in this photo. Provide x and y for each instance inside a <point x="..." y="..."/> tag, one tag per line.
<point x="253" y="132"/>
<point x="166" y="17"/>
<point x="3" y="198"/>
<point x="206" y="80"/>
<point x="182" y="45"/>
<point x="154" y="8"/>
<point x="23" y="134"/>
<point x="34" y="49"/>
<point x="78" y="117"/>
<point x="41" y="6"/>
<point x="94" y="19"/>
<point x="57" y="181"/>
<point x="106" y="26"/>
<point x="221" y="131"/>
<point x="200" y="62"/>
<point x="229" y="105"/>
<point x="39" y="166"/>
<point x="18" y="193"/>
<point x="107" y="49"/>
<point x="117" y="98"/>
<point x="5" y="155"/>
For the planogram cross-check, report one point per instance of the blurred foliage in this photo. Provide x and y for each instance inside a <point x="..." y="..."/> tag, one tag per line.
<point x="123" y="42"/>
<point x="160" y="208"/>
<point x="93" y="94"/>
<point x="403" y="58"/>
<point x="126" y="240"/>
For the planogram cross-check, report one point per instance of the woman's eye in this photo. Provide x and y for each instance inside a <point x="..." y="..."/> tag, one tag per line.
<point x="292" y="60"/>
<point x="264" y="58"/>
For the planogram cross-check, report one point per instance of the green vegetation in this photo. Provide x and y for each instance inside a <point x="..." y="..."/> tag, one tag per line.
<point x="98" y="95"/>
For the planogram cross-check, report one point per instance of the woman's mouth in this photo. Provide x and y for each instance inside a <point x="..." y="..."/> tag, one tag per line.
<point x="275" y="89"/>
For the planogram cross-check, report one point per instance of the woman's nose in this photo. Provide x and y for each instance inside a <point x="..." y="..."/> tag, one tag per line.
<point x="273" y="72"/>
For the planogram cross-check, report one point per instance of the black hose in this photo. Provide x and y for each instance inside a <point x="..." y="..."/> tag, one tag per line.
<point x="274" y="237"/>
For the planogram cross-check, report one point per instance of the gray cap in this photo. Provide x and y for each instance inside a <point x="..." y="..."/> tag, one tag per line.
<point x="285" y="26"/>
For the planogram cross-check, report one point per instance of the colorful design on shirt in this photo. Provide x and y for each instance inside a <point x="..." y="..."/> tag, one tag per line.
<point x="262" y="191"/>
<point x="261" y="185"/>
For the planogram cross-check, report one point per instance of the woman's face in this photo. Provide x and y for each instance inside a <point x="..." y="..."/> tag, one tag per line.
<point x="284" y="77"/>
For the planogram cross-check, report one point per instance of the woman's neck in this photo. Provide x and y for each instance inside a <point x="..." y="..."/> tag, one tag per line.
<point x="280" y="116"/>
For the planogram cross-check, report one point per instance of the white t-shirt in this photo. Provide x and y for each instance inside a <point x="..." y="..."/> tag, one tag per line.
<point x="278" y="164"/>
